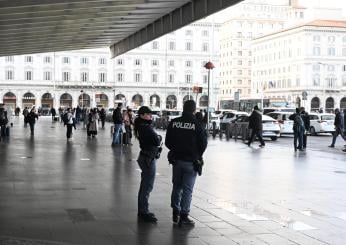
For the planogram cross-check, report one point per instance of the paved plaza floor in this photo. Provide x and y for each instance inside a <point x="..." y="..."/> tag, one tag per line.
<point x="85" y="192"/>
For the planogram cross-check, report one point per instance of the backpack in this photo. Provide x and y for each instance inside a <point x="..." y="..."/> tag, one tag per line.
<point x="65" y="118"/>
<point x="298" y="121"/>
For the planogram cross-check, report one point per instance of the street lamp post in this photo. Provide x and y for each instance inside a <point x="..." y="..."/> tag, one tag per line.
<point x="209" y="66"/>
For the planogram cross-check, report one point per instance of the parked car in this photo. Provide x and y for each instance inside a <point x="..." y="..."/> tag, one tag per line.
<point x="165" y="117"/>
<point x="276" y="109"/>
<point x="227" y="118"/>
<point x="286" y="125"/>
<point x="109" y="115"/>
<point x="321" y="123"/>
<point x="239" y="127"/>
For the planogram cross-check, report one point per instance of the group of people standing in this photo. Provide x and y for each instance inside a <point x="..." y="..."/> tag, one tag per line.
<point x="123" y="122"/>
<point x="301" y="127"/>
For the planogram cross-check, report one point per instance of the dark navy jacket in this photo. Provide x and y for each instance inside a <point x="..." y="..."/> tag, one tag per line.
<point x="148" y="138"/>
<point x="186" y="138"/>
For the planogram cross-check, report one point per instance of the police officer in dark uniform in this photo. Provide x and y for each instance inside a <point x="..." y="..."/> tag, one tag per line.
<point x="149" y="142"/>
<point x="187" y="141"/>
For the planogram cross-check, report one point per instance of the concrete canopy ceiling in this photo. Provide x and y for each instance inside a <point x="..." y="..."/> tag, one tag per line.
<point x="37" y="26"/>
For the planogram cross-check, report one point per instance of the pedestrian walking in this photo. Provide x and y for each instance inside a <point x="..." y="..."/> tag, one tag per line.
<point x="69" y="122"/>
<point x="128" y="122"/>
<point x="3" y="120"/>
<point x="25" y="114"/>
<point x="149" y="143"/>
<point x="118" y="122"/>
<point x="92" y="125"/>
<point x="31" y="118"/>
<point x="339" y="127"/>
<point x="103" y="117"/>
<point x="186" y="141"/>
<point x="306" y="119"/>
<point x="298" y="130"/>
<point x="53" y="113"/>
<point x="255" y="124"/>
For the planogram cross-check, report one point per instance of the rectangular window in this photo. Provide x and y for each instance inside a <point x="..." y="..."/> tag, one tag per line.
<point x="84" y="77"/>
<point x="188" y="33"/>
<point x="137" y="77"/>
<point x="84" y="60"/>
<point x="317" y="51"/>
<point x="205" y="33"/>
<point x="240" y="72"/>
<point x="205" y="79"/>
<point x="28" y="75"/>
<point x="205" y="47"/>
<point x="137" y="62"/>
<point x="188" y="46"/>
<point x="9" y="59"/>
<point x="66" y="60"/>
<point x="47" y="75"/>
<point x="154" y="78"/>
<point x="240" y="53"/>
<point x="331" y="51"/>
<point x="188" y="78"/>
<point x="120" y="77"/>
<point x="120" y="61"/>
<point x="240" y="82"/>
<point x="102" y="77"/>
<point x="171" y="45"/>
<point x="344" y="52"/>
<point x="66" y="76"/>
<point x="154" y="62"/>
<point x="9" y="75"/>
<point x="240" y="62"/>
<point x="188" y="63"/>
<point x="155" y="45"/>
<point x="28" y="59"/>
<point x="47" y="60"/>
<point x="171" y="62"/>
<point x="102" y="61"/>
<point x="171" y="78"/>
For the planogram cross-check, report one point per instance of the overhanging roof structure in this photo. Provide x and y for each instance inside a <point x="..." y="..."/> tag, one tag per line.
<point x="36" y="26"/>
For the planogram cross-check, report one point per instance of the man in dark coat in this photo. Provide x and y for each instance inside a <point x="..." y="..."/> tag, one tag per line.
<point x="306" y="119"/>
<point x="118" y="122"/>
<point x="255" y="124"/>
<point x="339" y="126"/>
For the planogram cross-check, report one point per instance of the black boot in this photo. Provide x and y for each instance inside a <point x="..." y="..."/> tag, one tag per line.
<point x="185" y="220"/>
<point x="149" y="217"/>
<point x="175" y="217"/>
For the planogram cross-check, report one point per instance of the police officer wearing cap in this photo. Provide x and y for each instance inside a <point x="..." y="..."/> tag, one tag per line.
<point x="187" y="141"/>
<point x="149" y="142"/>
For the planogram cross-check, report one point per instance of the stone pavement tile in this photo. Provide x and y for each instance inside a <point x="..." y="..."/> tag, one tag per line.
<point x="252" y="228"/>
<point x="207" y="218"/>
<point x="218" y="225"/>
<point x="212" y="240"/>
<point x="65" y="231"/>
<point x="328" y="236"/>
<point x="204" y="231"/>
<point x="246" y="239"/>
<point x="229" y="231"/>
<point x="298" y="237"/>
<point x="274" y="239"/>
<point x="130" y="239"/>
<point x="115" y="227"/>
<point x="268" y="224"/>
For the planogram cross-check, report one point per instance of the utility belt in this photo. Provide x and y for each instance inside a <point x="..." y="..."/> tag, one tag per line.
<point x="197" y="164"/>
<point x="149" y="155"/>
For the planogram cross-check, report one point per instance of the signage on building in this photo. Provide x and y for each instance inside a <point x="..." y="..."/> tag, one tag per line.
<point x="197" y="90"/>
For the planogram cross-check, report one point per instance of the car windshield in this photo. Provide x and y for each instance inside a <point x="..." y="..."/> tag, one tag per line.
<point x="327" y="117"/>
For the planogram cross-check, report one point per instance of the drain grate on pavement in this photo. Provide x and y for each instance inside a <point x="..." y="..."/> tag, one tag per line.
<point x="23" y="241"/>
<point x="80" y="215"/>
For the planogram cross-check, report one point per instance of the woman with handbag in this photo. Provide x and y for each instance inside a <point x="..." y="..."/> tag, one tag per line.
<point x="149" y="142"/>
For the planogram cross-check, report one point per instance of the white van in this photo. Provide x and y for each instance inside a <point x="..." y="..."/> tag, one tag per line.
<point x="286" y="125"/>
